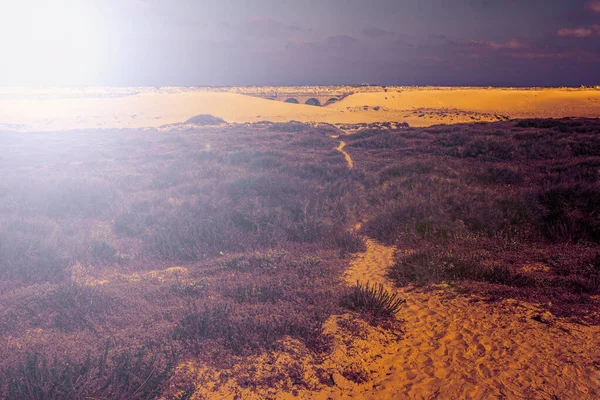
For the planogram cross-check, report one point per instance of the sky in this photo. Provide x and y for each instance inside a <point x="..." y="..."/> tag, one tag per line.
<point x="301" y="42"/>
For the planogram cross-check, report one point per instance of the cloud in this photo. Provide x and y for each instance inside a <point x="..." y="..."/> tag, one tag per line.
<point x="579" y="32"/>
<point x="594" y="6"/>
<point x="375" y="33"/>
<point x="511" y="44"/>
<point x="477" y="55"/>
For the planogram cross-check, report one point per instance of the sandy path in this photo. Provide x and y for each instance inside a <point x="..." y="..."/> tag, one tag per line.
<point x="349" y="161"/>
<point x="453" y="348"/>
<point x="460" y="349"/>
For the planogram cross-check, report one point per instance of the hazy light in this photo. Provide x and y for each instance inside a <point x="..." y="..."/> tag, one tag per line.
<point x="51" y="42"/>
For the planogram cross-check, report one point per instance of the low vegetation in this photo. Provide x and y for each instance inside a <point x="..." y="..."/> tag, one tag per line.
<point x="211" y="242"/>
<point x="126" y="375"/>
<point x="126" y="253"/>
<point x="504" y="209"/>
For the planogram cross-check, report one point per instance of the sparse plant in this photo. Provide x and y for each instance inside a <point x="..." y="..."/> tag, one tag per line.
<point x="373" y="300"/>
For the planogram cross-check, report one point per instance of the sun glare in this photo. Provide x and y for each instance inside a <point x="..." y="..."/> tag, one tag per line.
<point x="50" y="42"/>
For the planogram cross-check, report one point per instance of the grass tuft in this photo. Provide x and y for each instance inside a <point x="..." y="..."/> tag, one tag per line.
<point x="373" y="300"/>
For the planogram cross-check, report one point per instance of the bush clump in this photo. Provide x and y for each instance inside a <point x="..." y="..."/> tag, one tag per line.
<point x="373" y="300"/>
<point x="204" y="119"/>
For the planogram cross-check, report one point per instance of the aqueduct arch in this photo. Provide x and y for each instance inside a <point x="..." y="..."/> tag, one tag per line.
<point x="309" y="95"/>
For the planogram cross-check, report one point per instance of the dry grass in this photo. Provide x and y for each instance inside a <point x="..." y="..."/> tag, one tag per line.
<point x="214" y="243"/>
<point x="512" y="204"/>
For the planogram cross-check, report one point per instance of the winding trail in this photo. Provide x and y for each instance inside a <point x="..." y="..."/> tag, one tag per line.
<point x="457" y="347"/>
<point x="340" y="148"/>
<point x="460" y="348"/>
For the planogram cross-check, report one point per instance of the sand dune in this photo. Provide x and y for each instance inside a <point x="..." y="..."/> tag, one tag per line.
<point x="425" y="107"/>
<point x="144" y="110"/>
<point x="147" y="107"/>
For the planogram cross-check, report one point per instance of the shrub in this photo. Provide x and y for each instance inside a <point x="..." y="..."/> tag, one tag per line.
<point x="349" y="243"/>
<point x="289" y="127"/>
<point x="380" y="141"/>
<point x="400" y="171"/>
<point x="31" y="251"/>
<point x="247" y="329"/>
<point x="103" y="252"/>
<point x="194" y="233"/>
<point x="501" y="175"/>
<point x="195" y="288"/>
<point x="139" y="374"/>
<point x="568" y="212"/>
<point x="131" y="223"/>
<point x="489" y="148"/>
<point x="204" y="119"/>
<point x="374" y="301"/>
<point x="72" y="196"/>
<point x="267" y="261"/>
<point x="75" y="306"/>
<point x="455" y="263"/>
<point x="252" y="293"/>
<point x="421" y="266"/>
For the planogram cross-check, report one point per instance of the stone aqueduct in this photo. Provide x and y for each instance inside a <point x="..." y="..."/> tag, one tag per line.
<point x="311" y="95"/>
<point x="311" y="99"/>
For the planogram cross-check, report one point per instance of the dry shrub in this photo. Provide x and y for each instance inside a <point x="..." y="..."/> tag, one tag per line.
<point x="139" y="374"/>
<point x="373" y="300"/>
